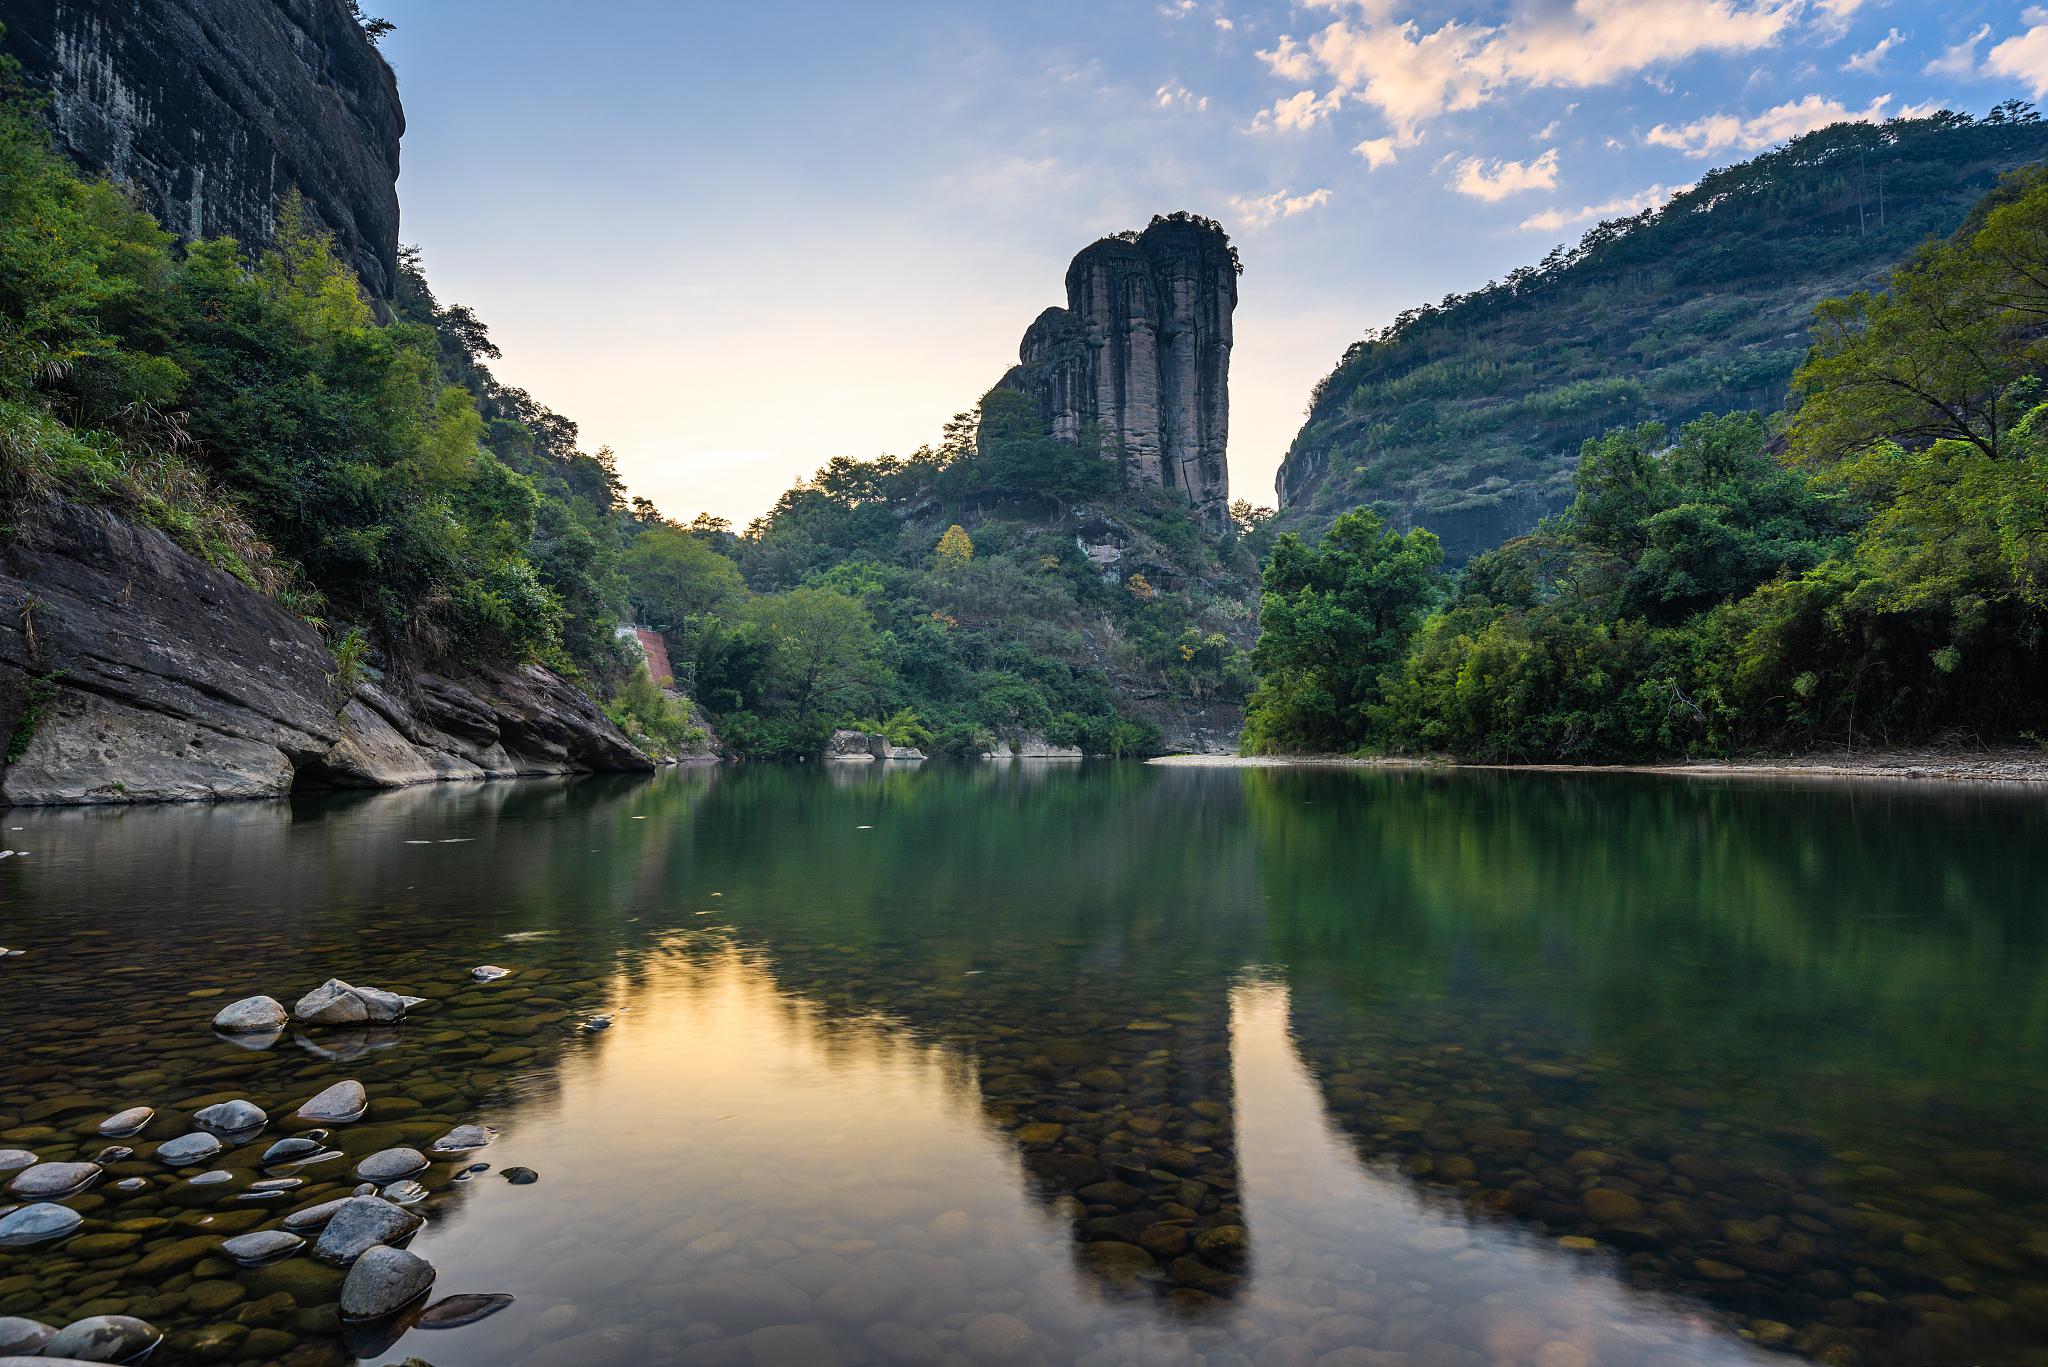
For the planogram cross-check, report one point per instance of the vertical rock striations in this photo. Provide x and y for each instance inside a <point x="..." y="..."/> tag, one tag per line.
<point x="1142" y="350"/>
<point x="215" y="109"/>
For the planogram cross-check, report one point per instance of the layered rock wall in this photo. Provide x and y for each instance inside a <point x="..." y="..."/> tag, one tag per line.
<point x="213" y="110"/>
<point x="1142" y="349"/>
<point x="130" y="671"/>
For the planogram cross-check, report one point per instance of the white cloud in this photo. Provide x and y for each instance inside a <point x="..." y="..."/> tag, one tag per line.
<point x="1726" y="132"/>
<point x="1413" y="75"/>
<point x="1549" y="130"/>
<point x="2024" y="58"/>
<point x="1497" y="180"/>
<point x="1289" y="60"/>
<point x="1175" y="96"/>
<point x="1832" y="17"/>
<point x="1297" y="113"/>
<point x="1551" y="220"/>
<point x="1867" y="61"/>
<point x="1179" y="9"/>
<point x="1377" y="152"/>
<point x="1224" y="24"/>
<point x="1921" y="110"/>
<point x="1960" y="60"/>
<point x="1266" y="210"/>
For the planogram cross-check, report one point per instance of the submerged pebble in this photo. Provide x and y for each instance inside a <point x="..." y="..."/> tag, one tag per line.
<point x="36" y="1224"/>
<point x="123" y="1124"/>
<point x="489" y="973"/>
<point x="452" y="1312"/>
<point x="103" y="1338"/>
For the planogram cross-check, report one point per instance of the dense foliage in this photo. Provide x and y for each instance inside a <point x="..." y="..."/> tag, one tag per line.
<point x="1878" y="574"/>
<point x="1466" y="417"/>
<point x="948" y="593"/>
<point x="367" y="473"/>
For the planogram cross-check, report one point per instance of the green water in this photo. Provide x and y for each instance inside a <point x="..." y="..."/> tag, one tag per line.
<point x="1093" y="1065"/>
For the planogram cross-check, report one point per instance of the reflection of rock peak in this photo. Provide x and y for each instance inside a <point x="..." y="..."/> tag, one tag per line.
<point x="1142" y="349"/>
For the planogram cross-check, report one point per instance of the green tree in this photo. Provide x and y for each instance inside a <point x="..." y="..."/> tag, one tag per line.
<point x="822" y="649"/>
<point x="1333" y="619"/>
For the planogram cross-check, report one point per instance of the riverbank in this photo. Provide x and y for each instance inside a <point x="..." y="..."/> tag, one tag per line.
<point x="1943" y="765"/>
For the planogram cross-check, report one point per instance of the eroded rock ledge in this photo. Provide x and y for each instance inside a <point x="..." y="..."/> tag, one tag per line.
<point x="130" y="671"/>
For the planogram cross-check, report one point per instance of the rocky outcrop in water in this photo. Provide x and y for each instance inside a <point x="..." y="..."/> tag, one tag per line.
<point x="215" y="109"/>
<point x="1142" y="349"/>
<point x="131" y="671"/>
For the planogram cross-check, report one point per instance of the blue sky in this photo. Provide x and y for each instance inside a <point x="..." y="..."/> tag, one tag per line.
<point x="733" y="241"/>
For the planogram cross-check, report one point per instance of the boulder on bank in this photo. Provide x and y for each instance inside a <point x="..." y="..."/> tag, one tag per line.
<point x="855" y="746"/>
<point x="176" y="682"/>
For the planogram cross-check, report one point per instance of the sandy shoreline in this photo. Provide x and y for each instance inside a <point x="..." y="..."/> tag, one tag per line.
<point x="1948" y="766"/>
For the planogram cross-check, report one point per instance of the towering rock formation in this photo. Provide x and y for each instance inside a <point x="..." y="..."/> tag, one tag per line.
<point x="1143" y="349"/>
<point x="214" y="109"/>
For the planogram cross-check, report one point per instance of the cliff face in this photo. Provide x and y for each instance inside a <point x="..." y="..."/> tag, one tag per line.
<point x="132" y="672"/>
<point x="214" y="109"/>
<point x="1143" y="349"/>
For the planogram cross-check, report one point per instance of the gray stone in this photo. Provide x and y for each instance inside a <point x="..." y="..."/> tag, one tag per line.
<point x="363" y="1222"/>
<point x="314" y="1217"/>
<point x="196" y="687"/>
<point x="383" y="1282"/>
<point x="37" y="1224"/>
<point x="232" y="1117"/>
<point x="251" y="1016"/>
<point x="188" y="1150"/>
<point x="389" y="1165"/>
<point x="52" y="1181"/>
<point x="263" y="1246"/>
<point x="489" y="973"/>
<point x="23" y="1336"/>
<point x="103" y="1338"/>
<point x="463" y="1139"/>
<point x="333" y="1002"/>
<point x="10" y="1159"/>
<point x="345" y="1101"/>
<point x="452" y="1312"/>
<point x="126" y="1123"/>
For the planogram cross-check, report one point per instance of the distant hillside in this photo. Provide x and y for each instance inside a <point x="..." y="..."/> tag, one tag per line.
<point x="1467" y="417"/>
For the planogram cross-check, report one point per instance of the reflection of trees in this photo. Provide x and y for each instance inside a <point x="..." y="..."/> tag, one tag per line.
<point x="1494" y="975"/>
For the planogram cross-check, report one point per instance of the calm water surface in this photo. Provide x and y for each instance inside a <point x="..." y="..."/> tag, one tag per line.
<point x="1097" y="1065"/>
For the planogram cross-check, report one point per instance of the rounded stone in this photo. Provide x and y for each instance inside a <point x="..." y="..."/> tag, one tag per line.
<point x="314" y="1217"/>
<point x="333" y="1002"/>
<point x="452" y="1312"/>
<point x="489" y="973"/>
<point x="37" y="1224"/>
<point x="384" y="1281"/>
<point x="1606" y="1206"/>
<point x="53" y="1181"/>
<point x="340" y="1104"/>
<point x="520" y="1177"/>
<point x="23" y="1337"/>
<point x="391" y="1165"/>
<point x="232" y="1117"/>
<point x="251" y="1016"/>
<point x="10" y="1159"/>
<point x="361" y="1223"/>
<point x="188" y="1150"/>
<point x="126" y="1123"/>
<point x="996" y="1338"/>
<point x="103" y="1338"/>
<point x="463" y="1139"/>
<point x="263" y="1246"/>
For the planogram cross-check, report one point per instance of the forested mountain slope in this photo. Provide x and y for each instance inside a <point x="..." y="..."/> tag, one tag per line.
<point x="1466" y="417"/>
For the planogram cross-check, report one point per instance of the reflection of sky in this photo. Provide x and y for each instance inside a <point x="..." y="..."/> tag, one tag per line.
<point x="1489" y="1285"/>
<point x="721" y="1126"/>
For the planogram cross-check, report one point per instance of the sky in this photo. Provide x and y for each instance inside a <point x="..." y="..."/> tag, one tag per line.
<point x="734" y="241"/>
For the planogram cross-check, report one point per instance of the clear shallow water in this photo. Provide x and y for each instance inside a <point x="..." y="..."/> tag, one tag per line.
<point x="1082" y="1065"/>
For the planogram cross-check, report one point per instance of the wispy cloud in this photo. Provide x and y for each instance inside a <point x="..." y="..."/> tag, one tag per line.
<point x="2024" y="58"/>
<point x="1266" y="210"/>
<point x="1176" y="96"/>
<point x="1729" y="132"/>
<point x="1378" y="152"/>
<point x="1867" y="61"/>
<point x="1960" y="60"/>
<point x="1627" y="206"/>
<point x="1496" y="180"/>
<point x="1412" y="74"/>
<point x="1297" y="113"/>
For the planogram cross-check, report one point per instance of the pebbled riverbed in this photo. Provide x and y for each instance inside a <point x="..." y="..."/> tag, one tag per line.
<point x="1089" y="1064"/>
